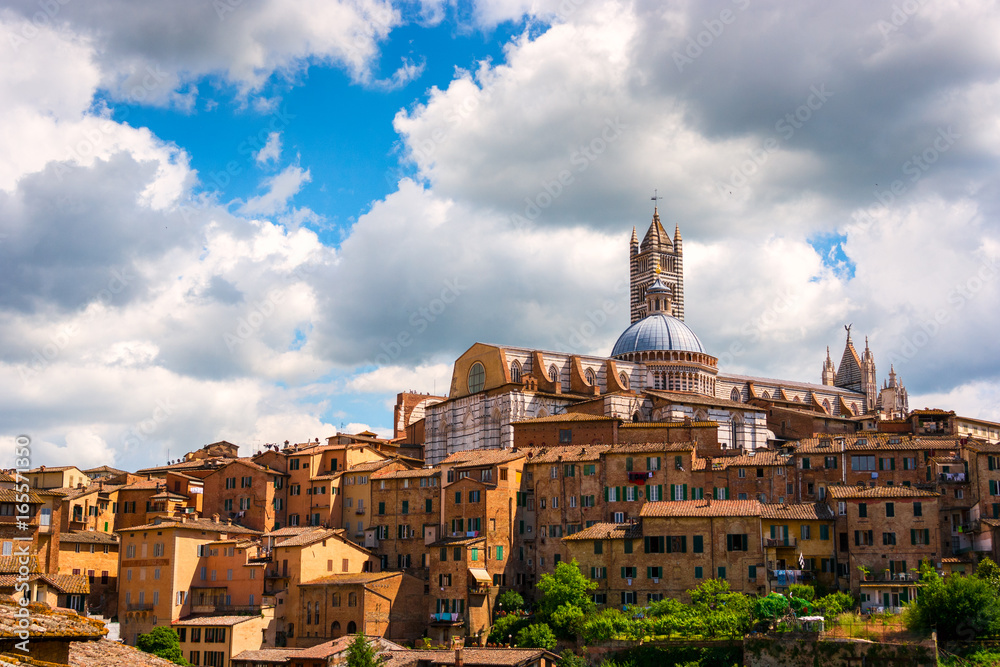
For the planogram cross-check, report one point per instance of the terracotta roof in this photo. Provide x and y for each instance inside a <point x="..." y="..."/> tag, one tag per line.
<point x="247" y="462"/>
<point x="651" y="447"/>
<point x="69" y="583"/>
<point x="47" y="622"/>
<point x="507" y="657"/>
<point x="209" y="619"/>
<point x="183" y="465"/>
<point x="696" y="508"/>
<point x="568" y="417"/>
<point x="871" y="442"/>
<point x="483" y="457"/>
<point x="169" y="495"/>
<point x="932" y="411"/>
<point x="191" y="524"/>
<point x="105" y="469"/>
<point x="339" y="645"/>
<point x="760" y="458"/>
<point x="399" y="474"/>
<point x="269" y="654"/>
<point x="351" y="578"/>
<point x="12" y="564"/>
<point x="568" y="453"/>
<point x="698" y="399"/>
<point x="608" y="531"/>
<point x="104" y="653"/>
<point x="650" y="425"/>
<point x="13" y="496"/>
<point x="788" y="384"/>
<point x="53" y="469"/>
<point x="289" y="530"/>
<point x="88" y="537"/>
<point x="368" y="466"/>
<point x="878" y="492"/>
<point x="798" y="512"/>
<point x="316" y="535"/>
<point x="145" y="484"/>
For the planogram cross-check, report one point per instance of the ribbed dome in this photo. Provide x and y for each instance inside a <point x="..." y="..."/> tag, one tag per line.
<point x="657" y="332"/>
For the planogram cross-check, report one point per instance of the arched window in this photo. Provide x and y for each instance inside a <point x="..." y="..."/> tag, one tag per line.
<point x="352" y="627"/>
<point x="765" y="395"/>
<point x="591" y="377"/>
<point x="335" y="629"/>
<point x="352" y="601"/>
<point x="335" y="602"/>
<point x="735" y="395"/>
<point x="515" y="371"/>
<point x="477" y="378"/>
<point x="636" y="416"/>
<point x="854" y="409"/>
<point x="826" y="404"/>
<point x="796" y="399"/>
<point x="624" y="380"/>
<point x="553" y="373"/>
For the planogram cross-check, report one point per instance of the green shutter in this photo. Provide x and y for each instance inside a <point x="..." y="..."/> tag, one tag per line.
<point x="727" y="493"/>
<point x="913" y="535"/>
<point x="729" y="542"/>
<point x="684" y="544"/>
<point x="658" y="463"/>
<point x="605" y="494"/>
<point x="623" y="573"/>
<point x="698" y="573"/>
<point x="698" y="545"/>
<point x="685" y="492"/>
<point x="880" y="464"/>
<point x="659" y="492"/>
<point x="673" y="488"/>
<point x="772" y="531"/>
<point x="927" y="536"/>
<point x="667" y="548"/>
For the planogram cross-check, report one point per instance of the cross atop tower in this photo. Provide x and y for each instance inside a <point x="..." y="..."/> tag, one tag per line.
<point x="655" y="198"/>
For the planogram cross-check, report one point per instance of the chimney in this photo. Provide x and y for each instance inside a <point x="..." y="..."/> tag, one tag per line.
<point x="215" y="518"/>
<point x="458" y="656"/>
<point x="184" y="518"/>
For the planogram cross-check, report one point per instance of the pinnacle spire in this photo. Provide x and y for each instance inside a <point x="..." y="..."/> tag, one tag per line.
<point x="635" y="239"/>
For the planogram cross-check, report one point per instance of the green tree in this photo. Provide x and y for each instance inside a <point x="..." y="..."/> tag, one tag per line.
<point x="770" y="608"/>
<point x="958" y="608"/>
<point x="504" y="627"/>
<point x="834" y="604"/>
<point x="162" y="642"/>
<point x="802" y="591"/>
<point x="537" y="635"/>
<point x="570" y="659"/>
<point x="567" y="620"/>
<point x="362" y="653"/>
<point x="510" y="601"/>
<point x="989" y="571"/>
<point x="566" y="586"/>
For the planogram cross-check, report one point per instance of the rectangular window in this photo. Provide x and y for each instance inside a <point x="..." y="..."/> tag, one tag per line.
<point x="598" y="573"/>
<point x="890" y="510"/>
<point x="630" y="572"/>
<point x="863" y="463"/>
<point x="806" y="465"/>
<point x="627" y="546"/>
<point x="737" y="542"/>
<point x="569" y="470"/>
<point x="698" y="544"/>
<point x="920" y="536"/>
<point x="824" y="532"/>
<point x="863" y="510"/>
<point x="805" y="532"/>
<point x="888" y="539"/>
<point x="830" y="462"/>
<point x="652" y="463"/>
<point x="654" y="572"/>
<point x="699" y="573"/>
<point x="918" y="509"/>
<point x="565" y="436"/>
<point x="654" y="544"/>
<point x="589" y="469"/>
<point x="722" y="572"/>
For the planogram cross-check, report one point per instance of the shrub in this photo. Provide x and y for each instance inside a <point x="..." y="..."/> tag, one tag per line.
<point x="537" y="635"/>
<point x="162" y="642"/>
<point x="510" y="601"/>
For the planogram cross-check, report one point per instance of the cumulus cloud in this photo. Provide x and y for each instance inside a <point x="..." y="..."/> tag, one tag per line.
<point x="280" y="188"/>
<point x="271" y="151"/>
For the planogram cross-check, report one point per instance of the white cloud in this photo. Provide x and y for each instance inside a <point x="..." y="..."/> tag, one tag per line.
<point x="271" y="151"/>
<point x="407" y="72"/>
<point x="280" y="189"/>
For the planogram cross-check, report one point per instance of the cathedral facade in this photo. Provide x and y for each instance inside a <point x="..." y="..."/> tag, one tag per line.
<point x="658" y="371"/>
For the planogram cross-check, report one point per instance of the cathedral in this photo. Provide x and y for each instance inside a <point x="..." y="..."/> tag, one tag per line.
<point x="658" y="371"/>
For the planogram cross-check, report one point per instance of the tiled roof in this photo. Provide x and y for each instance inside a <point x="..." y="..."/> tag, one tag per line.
<point x="878" y="492"/>
<point x="115" y="471"/>
<point x="787" y="384"/>
<point x="191" y="524"/>
<point x="53" y="469"/>
<point x="483" y="457"/>
<point x="566" y="453"/>
<point x="13" y="496"/>
<point x="12" y="564"/>
<point x="104" y="653"/>
<point x="88" y="537"/>
<point x="697" y="399"/>
<point x="49" y="623"/>
<point x="209" y="619"/>
<point x="568" y="417"/>
<point x="607" y="531"/>
<point x="281" y="655"/>
<point x="289" y="530"/>
<point x="368" y="466"/>
<point x="641" y="425"/>
<point x="351" y="578"/>
<point x="315" y="535"/>
<point x="932" y="411"/>
<point x="798" y="512"/>
<point x="69" y="583"/>
<point x="506" y="657"/>
<point x="145" y="484"/>
<point x="399" y="474"/>
<point x="872" y="442"/>
<point x="249" y="463"/>
<point x="651" y="447"/>
<point x="339" y="645"/>
<point x="761" y="457"/>
<point x="698" y="508"/>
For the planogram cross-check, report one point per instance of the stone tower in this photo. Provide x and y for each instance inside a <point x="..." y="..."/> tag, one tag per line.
<point x="829" y="372"/>
<point x="869" y="383"/>
<point x="656" y="256"/>
<point x="857" y="372"/>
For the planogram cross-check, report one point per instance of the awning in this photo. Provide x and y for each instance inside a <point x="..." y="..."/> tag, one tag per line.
<point x="481" y="575"/>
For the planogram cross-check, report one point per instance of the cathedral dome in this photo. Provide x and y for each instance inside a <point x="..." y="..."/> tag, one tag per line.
<point x="657" y="332"/>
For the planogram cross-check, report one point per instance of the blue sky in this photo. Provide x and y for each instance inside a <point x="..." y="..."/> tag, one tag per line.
<point x="442" y="173"/>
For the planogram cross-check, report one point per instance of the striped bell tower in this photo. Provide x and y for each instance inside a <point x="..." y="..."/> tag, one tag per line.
<point x="657" y="256"/>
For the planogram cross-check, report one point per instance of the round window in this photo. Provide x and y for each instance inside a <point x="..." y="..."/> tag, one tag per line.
<point x="477" y="378"/>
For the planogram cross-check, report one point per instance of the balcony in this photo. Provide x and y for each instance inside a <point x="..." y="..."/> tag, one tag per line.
<point x="885" y="577"/>
<point x="446" y="618"/>
<point x="779" y="542"/>
<point x="139" y="606"/>
<point x="953" y="478"/>
<point x="274" y="573"/>
<point x="360" y="510"/>
<point x="807" y="575"/>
